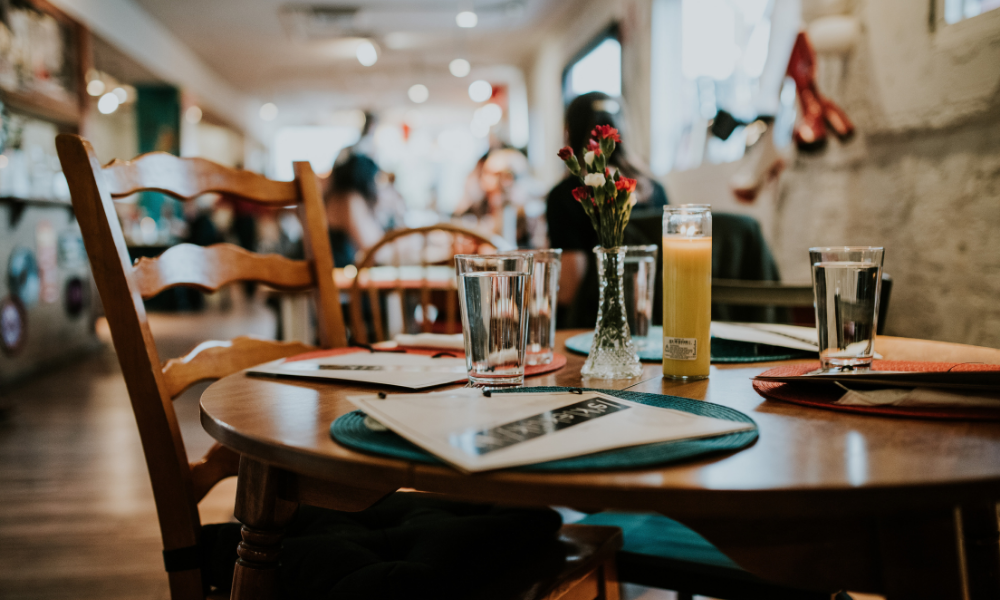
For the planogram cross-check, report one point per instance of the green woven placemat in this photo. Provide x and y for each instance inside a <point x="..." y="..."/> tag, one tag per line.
<point x="723" y="351"/>
<point x="350" y="430"/>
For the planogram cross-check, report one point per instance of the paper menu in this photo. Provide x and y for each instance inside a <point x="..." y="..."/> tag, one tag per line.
<point x="785" y="336"/>
<point x="474" y="433"/>
<point x="412" y="371"/>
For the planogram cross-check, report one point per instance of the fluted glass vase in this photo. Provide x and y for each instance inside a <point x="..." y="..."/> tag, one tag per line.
<point x="612" y="354"/>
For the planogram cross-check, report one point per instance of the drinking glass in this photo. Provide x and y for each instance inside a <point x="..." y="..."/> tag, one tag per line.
<point x="640" y="292"/>
<point x="542" y="304"/>
<point x="846" y="285"/>
<point x="493" y="291"/>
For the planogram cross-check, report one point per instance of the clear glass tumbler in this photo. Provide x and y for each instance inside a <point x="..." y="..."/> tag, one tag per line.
<point x="542" y="304"/>
<point x="494" y="291"/>
<point x="846" y="285"/>
<point x="640" y="292"/>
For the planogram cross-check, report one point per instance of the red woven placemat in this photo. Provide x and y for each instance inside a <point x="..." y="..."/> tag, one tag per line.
<point x="558" y="360"/>
<point x="822" y="396"/>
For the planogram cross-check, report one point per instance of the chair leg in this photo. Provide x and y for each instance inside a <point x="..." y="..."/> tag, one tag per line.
<point x="610" y="586"/>
<point x="264" y="517"/>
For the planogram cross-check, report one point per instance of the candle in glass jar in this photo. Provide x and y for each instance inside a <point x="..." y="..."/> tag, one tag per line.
<point x="687" y="291"/>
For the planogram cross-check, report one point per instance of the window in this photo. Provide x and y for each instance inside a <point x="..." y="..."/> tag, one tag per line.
<point x="957" y="10"/>
<point x="597" y="69"/>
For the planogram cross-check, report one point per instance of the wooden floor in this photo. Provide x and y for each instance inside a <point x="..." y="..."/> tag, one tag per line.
<point x="77" y="518"/>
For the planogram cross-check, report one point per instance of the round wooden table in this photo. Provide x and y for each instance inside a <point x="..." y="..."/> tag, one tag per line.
<point x="823" y="498"/>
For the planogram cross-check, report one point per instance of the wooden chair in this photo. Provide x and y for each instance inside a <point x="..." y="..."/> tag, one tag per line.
<point x="178" y="485"/>
<point x="770" y="293"/>
<point x="417" y="281"/>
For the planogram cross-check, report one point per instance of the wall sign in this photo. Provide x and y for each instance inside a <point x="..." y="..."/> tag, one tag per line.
<point x="13" y="325"/>
<point x="22" y="276"/>
<point x="74" y="297"/>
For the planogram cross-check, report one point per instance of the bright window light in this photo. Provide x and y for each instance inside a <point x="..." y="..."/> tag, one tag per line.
<point x="480" y="90"/>
<point x="320" y="145"/>
<point x="419" y="93"/>
<point x="708" y="41"/>
<point x="755" y="55"/>
<point x="956" y="10"/>
<point x="459" y="67"/>
<point x="108" y="103"/>
<point x="367" y="54"/>
<point x="599" y="71"/>
<point x="466" y="19"/>
<point x="489" y="113"/>
<point x="95" y="87"/>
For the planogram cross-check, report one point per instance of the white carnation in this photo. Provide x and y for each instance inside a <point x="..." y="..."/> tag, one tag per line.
<point x="589" y="158"/>
<point x="594" y="180"/>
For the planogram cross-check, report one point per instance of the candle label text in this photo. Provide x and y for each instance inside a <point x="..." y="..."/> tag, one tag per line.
<point x="676" y="348"/>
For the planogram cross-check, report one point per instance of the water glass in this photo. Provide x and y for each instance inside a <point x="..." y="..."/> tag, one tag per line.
<point x="542" y="304"/>
<point x="640" y="292"/>
<point x="493" y="291"/>
<point x="846" y="285"/>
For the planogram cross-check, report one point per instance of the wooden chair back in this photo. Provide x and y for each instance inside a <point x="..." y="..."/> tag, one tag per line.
<point x="365" y="286"/>
<point x="178" y="485"/>
<point x="782" y="295"/>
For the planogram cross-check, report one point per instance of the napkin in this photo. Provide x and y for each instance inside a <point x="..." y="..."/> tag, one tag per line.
<point x="918" y="397"/>
<point x="431" y="340"/>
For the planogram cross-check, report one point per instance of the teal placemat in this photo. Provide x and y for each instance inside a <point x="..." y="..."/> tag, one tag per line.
<point x="349" y="430"/>
<point x="723" y="351"/>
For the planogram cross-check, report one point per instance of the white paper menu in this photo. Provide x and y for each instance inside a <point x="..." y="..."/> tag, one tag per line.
<point x="476" y="433"/>
<point x="412" y="371"/>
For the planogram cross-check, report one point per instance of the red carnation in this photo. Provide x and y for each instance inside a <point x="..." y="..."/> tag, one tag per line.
<point x="565" y="152"/>
<point x="625" y="184"/>
<point x="581" y="193"/>
<point x="606" y="131"/>
<point x="594" y="146"/>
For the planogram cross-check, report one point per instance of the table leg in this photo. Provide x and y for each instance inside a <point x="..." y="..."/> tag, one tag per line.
<point x="264" y="517"/>
<point x="981" y="547"/>
<point x="919" y="556"/>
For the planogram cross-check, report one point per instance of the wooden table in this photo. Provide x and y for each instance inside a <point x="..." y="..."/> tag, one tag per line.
<point x="901" y="507"/>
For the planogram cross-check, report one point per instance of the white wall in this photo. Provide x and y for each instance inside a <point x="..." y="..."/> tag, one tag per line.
<point x="921" y="177"/>
<point x="136" y="33"/>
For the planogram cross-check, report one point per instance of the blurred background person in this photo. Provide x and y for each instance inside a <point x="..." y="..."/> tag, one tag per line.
<point x="569" y="227"/>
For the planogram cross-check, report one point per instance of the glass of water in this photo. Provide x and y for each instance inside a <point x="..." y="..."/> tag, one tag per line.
<point x="494" y="293"/>
<point x="542" y="304"/>
<point x="640" y="293"/>
<point x="846" y="285"/>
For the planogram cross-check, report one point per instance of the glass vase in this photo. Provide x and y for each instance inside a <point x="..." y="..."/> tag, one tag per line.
<point x="612" y="354"/>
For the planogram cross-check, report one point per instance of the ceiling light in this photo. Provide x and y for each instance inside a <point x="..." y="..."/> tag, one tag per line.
<point x="108" y="103"/>
<point x="489" y="113"/>
<point x="459" y="67"/>
<point x="193" y="115"/>
<point x="367" y="54"/>
<point x="121" y="94"/>
<point x="466" y="19"/>
<point x="95" y="87"/>
<point x="479" y="129"/>
<point x="419" y="93"/>
<point x="269" y="111"/>
<point x="480" y="90"/>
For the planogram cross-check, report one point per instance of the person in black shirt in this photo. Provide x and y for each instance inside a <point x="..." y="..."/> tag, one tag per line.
<point x="568" y="224"/>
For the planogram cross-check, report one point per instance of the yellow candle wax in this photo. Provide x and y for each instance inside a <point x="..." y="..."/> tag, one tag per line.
<point x="687" y="306"/>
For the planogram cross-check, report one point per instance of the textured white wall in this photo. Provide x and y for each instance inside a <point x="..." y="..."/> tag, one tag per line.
<point x="921" y="177"/>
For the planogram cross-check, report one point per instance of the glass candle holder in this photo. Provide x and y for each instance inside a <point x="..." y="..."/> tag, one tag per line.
<point x="687" y="291"/>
